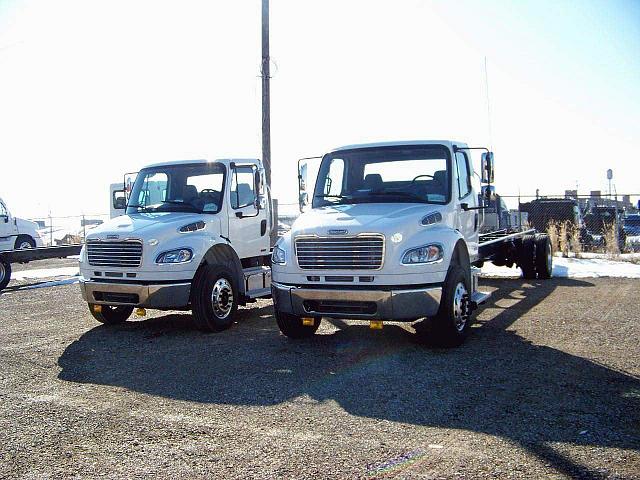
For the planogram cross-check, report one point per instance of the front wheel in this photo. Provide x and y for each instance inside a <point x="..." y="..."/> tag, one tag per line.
<point x="214" y="298"/>
<point x="110" y="314"/>
<point x="293" y="326"/>
<point x="5" y="273"/>
<point x="24" y="242"/>
<point x="450" y="327"/>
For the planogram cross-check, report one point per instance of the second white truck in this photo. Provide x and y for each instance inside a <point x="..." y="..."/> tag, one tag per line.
<point x="393" y="235"/>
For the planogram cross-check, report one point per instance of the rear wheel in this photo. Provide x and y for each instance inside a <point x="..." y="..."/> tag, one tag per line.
<point x="5" y="273"/>
<point x="214" y="298"/>
<point x="544" y="256"/>
<point x="527" y="256"/>
<point x="293" y="326"/>
<point x="450" y="327"/>
<point x="110" y="314"/>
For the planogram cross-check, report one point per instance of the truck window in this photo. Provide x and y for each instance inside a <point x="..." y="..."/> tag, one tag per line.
<point x="242" y="187"/>
<point x="209" y="189"/>
<point x="153" y="189"/>
<point x="407" y="174"/>
<point x="464" y="180"/>
<point x="118" y="199"/>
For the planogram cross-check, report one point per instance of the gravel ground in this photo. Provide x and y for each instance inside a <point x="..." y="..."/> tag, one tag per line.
<point x="548" y="385"/>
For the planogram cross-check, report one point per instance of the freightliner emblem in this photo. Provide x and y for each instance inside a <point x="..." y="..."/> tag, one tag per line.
<point x="338" y="232"/>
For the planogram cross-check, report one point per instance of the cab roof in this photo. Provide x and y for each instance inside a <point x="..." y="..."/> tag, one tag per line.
<point x="399" y="143"/>
<point x="202" y="161"/>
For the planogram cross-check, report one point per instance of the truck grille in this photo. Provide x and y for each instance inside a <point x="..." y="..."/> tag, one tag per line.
<point x="124" y="254"/>
<point x="364" y="252"/>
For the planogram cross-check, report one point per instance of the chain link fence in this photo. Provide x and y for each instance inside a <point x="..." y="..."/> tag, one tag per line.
<point x="576" y="223"/>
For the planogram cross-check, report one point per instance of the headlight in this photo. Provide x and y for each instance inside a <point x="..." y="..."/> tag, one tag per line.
<point x="180" y="255"/>
<point x="427" y="254"/>
<point x="278" y="256"/>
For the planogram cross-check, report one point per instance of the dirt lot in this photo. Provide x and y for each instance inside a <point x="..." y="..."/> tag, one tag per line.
<point x="548" y="385"/>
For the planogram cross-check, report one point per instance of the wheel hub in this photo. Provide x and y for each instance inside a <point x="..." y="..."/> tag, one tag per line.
<point x="222" y="298"/>
<point x="24" y="246"/>
<point x="460" y="306"/>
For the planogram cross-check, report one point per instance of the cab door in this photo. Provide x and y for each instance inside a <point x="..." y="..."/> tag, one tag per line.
<point x="468" y="219"/>
<point x="247" y="223"/>
<point x="7" y="238"/>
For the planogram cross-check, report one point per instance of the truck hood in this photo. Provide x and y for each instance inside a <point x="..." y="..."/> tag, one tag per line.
<point x="362" y="217"/>
<point x="144" y="225"/>
<point x="26" y="226"/>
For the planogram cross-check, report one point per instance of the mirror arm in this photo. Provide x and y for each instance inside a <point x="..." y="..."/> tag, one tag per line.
<point x="466" y="207"/>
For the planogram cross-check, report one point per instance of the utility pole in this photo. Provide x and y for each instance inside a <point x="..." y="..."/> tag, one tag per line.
<point x="266" y="113"/>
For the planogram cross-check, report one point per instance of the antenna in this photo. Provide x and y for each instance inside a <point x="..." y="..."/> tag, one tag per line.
<point x="486" y="83"/>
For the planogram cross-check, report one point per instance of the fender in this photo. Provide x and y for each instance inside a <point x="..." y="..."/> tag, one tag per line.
<point x="223" y="254"/>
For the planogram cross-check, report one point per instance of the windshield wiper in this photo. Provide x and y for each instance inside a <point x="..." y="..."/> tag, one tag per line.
<point x="330" y="196"/>
<point x="137" y="206"/>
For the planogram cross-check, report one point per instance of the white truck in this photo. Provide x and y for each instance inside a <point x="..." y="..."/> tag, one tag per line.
<point x="195" y="235"/>
<point x="393" y="234"/>
<point x="15" y="234"/>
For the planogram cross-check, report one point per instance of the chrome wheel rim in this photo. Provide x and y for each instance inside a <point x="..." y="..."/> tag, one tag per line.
<point x="460" y="306"/>
<point x="3" y="271"/>
<point x="222" y="298"/>
<point x="24" y="246"/>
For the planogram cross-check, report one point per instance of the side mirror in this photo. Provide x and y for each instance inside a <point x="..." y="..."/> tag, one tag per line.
<point x="307" y="173"/>
<point x="303" y="197"/>
<point x="487" y="167"/>
<point x="488" y="193"/>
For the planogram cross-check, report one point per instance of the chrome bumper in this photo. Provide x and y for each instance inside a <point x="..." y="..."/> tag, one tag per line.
<point x="175" y="295"/>
<point x="393" y="305"/>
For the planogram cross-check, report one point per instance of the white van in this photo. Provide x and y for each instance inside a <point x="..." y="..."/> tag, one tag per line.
<point x="17" y="233"/>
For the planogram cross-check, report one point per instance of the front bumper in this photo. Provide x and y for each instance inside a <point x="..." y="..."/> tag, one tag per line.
<point x="394" y="304"/>
<point x="174" y="295"/>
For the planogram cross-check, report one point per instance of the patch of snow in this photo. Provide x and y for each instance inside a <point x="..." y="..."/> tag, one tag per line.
<point x="573" y="268"/>
<point x="45" y="273"/>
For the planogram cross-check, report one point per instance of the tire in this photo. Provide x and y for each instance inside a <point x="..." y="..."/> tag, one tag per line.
<point x="527" y="256"/>
<point x="110" y="314"/>
<point x="544" y="256"/>
<point x="450" y="327"/>
<point x="214" y="298"/>
<point x="5" y="273"/>
<point x="24" y="242"/>
<point x="292" y="327"/>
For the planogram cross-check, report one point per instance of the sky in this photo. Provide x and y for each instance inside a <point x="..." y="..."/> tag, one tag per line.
<point x="90" y="90"/>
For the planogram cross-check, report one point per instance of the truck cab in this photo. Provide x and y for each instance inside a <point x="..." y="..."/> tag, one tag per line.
<point x="17" y="233"/>
<point x="195" y="235"/>
<point x="391" y="234"/>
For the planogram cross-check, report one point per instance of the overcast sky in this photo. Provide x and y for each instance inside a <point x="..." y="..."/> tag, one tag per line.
<point x="90" y="90"/>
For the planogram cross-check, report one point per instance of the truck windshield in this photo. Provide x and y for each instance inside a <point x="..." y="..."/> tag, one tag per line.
<point x="195" y="188"/>
<point x="408" y="174"/>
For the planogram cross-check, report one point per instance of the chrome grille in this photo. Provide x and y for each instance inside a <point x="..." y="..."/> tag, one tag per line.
<point x="114" y="253"/>
<point x="364" y="252"/>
